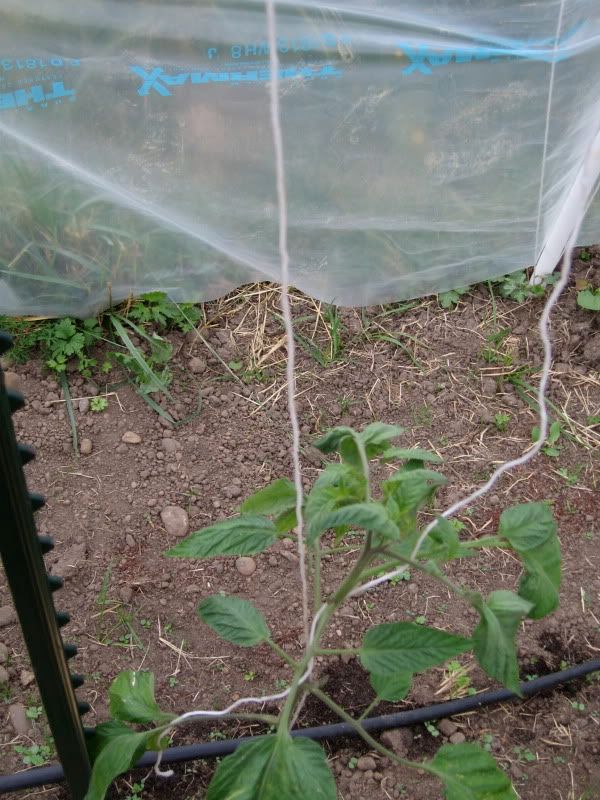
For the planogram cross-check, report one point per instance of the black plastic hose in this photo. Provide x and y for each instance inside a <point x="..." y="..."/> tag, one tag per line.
<point x="189" y="752"/>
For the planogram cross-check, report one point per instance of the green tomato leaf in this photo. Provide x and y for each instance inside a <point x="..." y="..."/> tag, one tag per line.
<point x="338" y="485"/>
<point x="131" y="698"/>
<point x="330" y="443"/>
<point x="470" y="773"/>
<point x="103" y="734"/>
<point x="527" y="526"/>
<point x="274" y="768"/>
<point x="237" y="536"/>
<point x="275" y="499"/>
<point x="494" y="637"/>
<point x="376" y="437"/>
<point x="391" y="687"/>
<point x="530" y="529"/>
<point x="541" y="582"/>
<point x="410" y="454"/>
<point x="442" y="542"/>
<point x="589" y="299"/>
<point x="118" y="754"/>
<point x="407" y="647"/>
<point x="368" y="516"/>
<point x="286" y="521"/>
<point x="234" y="619"/>
<point x="411" y="489"/>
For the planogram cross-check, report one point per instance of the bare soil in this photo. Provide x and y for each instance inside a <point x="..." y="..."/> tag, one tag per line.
<point x="134" y="608"/>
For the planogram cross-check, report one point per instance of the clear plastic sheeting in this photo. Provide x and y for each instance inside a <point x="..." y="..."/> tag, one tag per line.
<point x="428" y="145"/>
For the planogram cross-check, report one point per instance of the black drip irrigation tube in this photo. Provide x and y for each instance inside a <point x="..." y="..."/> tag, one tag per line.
<point x="174" y="755"/>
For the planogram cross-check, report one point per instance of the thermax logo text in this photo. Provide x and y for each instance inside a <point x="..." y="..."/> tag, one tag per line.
<point x="158" y="81"/>
<point x="424" y="58"/>
<point x="35" y="96"/>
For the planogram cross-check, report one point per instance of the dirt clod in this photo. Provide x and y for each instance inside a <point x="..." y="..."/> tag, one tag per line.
<point x="365" y="763"/>
<point x="18" y="719"/>
<point x="197" y="365"/>
<point x="8" y="616"/>
<point x="447" y="727"/>
<point x="26" y="677"/>
<point x="398" y="739"/>
<point x="86" y="447"/>
<point x="13" y="381"/>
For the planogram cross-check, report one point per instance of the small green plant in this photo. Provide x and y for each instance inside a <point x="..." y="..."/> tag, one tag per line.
<point x="584" y="254"/>
<point x="403" y="576"/>
<point x="494" y="352"/>
<point x="386" y="523"/>
<point x="135" y="792"/>
<point x="457" y="681"/>
<point x="250" y="675"/>
<point x="589" y="299"/>
<point x="431" y="729"/>
<point x="66" y="339"/>
<point x="352" y="762"/>
<point x="516" y="286"/>
<point x="551" y="447"/>
<point x="577" y="705"/>
<point x="157" y="309"/>
<point x="524" y="754"/>
<point x="34" y="712"/>
<point x="34" y="755"/>
<point x="501" y="421"/>
<point x="451" y="298"/>
<point x="98" y="404"/>
<point x="173" y="681"/>
<point x="487" y="740"/>
<point x="571" y="476"/>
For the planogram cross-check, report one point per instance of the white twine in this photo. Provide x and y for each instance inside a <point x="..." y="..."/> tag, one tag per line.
<point x="285" y="299"/>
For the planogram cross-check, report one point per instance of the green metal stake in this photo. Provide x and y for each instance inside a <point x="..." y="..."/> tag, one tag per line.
<point x="22" y="554"/>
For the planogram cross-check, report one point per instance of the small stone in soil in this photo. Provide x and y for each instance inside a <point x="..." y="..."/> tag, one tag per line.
<point x="3" y="653"/>
<point x="458" y="738"/>
<point x="85" y="448"/>
<point x="130" y="541"/>
<point x="84" y="405"/>
<point x="365" y="763"/>
<point x="18" y="719"/>
<point x="170" y="445"/>
<point x="197" y="365"/>
<point x="447" y="727"/>
<point x="7" y="616"/>
<point x="3" y="675"/>
<point x="27" y="678"/>
<point x="245" y="565"/>
<point x="175" y="520"/>
<point x="130" y="437"/>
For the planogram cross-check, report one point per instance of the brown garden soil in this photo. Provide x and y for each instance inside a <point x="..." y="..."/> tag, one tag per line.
<point x="133" y="608"/>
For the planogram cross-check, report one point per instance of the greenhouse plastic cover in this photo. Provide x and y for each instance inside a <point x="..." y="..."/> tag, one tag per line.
<point x="428" y="144"/>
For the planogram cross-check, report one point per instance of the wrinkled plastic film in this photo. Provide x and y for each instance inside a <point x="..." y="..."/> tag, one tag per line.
<point x="136" y="153"/>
